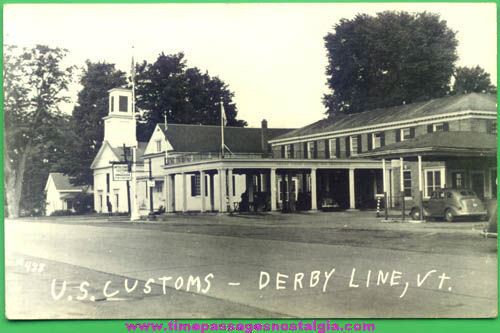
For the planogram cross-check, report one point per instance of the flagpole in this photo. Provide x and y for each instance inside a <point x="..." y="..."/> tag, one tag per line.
<point x="134" y="214"/>
<point x="222" y="127"/>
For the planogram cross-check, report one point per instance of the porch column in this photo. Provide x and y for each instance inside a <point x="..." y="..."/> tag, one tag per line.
<point x="402" y="187"/>
<point x="211" y="192"/>
<point x="222" y="190"/>
<point x="352" y="195"/>
<point x="165" y="192"/>
<point x="384" y="186"/>
<point x="290" y="194"/>
<point x="168" y="194"/>
<point x="171" y="189"/>
<point x="230" y="188"/>
<point x="184" y="192"/>
<point x="420" y="188"/>
<point x="314" y="204"/>
<point x="272" y="185"/>
<point x="202" y="190"/>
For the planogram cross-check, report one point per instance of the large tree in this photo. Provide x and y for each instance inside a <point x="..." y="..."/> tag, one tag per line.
<point x="87" y="121"/>
<point x="388" y="59"/>
<point x="34" y="86"/>
<point x="185" y="95"/>
<point x="472" y="79"/>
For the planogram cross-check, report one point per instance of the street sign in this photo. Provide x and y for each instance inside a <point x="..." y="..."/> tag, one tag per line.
<point x="121" y="172"/>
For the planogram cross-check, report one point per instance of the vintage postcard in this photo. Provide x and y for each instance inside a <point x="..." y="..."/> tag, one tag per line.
<point x="250" y="161"/>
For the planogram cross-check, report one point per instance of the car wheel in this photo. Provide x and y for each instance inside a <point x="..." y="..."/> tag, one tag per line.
<point x="415" y="214"/>
<point x="448" y="215"/>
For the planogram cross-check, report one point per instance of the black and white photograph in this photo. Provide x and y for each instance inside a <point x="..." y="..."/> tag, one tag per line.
<point x="272" y="160"/>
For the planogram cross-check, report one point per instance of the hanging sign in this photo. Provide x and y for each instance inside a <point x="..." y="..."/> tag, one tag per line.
<point x="121" y="172"/>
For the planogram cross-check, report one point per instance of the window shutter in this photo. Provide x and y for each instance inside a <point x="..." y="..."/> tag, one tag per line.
<point x="347" y="146"/>
<point x="398" y="135"/>
<point x="305" y="150"/>
<point x="337" y="147"/>
<point x="370" y="141"/>
<point x="315" y="149"/>
<point x="412" y="132"/>
<point x="382" y="139"/>
<point x="193" y="183"/>
<point x="359" y="144"/>
<point x="291" y="151"/>
<point x="327" y="148"/>
<point x="283" y="151"/>
<point x="429" y="128"/>
<point x="446" y="127"/>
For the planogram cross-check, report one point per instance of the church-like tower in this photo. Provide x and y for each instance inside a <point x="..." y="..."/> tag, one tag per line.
<point x="119" y="124"/>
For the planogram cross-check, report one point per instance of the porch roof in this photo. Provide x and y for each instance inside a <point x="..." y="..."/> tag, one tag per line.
<point x="271" y="163"/>
<point x="440" y="144"/>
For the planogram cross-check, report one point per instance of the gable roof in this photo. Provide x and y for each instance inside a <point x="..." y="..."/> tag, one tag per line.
<point x="62" y="183"/>
<point x="442" y="142"/>
<point x="118" y="152"/>
<point x="433" y="107"/>
<point x="207" y="138"/>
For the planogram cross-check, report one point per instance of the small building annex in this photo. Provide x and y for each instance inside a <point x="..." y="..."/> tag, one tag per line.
<point x="60" y="194"/>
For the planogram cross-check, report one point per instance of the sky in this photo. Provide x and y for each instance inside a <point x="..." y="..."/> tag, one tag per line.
<point x="272" y="56"/>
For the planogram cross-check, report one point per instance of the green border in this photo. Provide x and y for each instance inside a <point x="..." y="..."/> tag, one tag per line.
<point x="381" y="325"/>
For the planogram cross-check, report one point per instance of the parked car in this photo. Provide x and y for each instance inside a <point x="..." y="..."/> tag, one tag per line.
<point x="328" y="203"/>
<point x="450" y="204"/>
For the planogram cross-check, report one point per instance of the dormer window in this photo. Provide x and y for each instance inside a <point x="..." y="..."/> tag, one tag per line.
<point x="123" y="104"/>
<point x="354" y="145"/>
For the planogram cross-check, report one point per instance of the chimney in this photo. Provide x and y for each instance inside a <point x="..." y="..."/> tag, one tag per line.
<point x="263" y="136"/>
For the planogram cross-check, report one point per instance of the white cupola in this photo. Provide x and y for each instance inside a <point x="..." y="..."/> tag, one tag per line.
<point x="119" y="124"/>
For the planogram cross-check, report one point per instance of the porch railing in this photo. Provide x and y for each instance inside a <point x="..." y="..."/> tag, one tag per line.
<point x="195" y="157"/>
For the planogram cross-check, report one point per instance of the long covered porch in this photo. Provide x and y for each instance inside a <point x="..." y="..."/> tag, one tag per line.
<point x="229" y="184"/>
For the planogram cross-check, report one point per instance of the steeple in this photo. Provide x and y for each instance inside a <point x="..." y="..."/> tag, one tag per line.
<point x="119" y="124"/>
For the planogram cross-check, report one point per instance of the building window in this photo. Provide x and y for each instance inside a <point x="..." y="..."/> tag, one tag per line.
<point x="195" y="185"/>
<point x="117" y="200"/>
<point x="206" y="185"/>
<point x="123" y="104"/>
<point x="158" y="186"/>
<point x="311" y="152"/>
<point x="289" y="151"/>
<point x="439" y="127"/>
<point x="234" y="185"/>
<point x="100" y="201"/>
<point x="158" y="146"/>
<point x="492" y="127"/>
<point x="107" y="182"/>
<point x="377" y="140"/>
<point x="457" y="179"/>
<point x="333" y="148"/>
<point x="407" y="183"/>
<point x="433" y="181"/>
<point x="405" y="134"/>
<point x="112" y="104"/>
<point x="354" y="145"/>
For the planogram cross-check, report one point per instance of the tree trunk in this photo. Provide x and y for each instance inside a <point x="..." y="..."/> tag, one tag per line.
<point x="14" y="182"/>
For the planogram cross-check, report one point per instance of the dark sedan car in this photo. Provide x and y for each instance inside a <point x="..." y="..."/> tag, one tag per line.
<point x="450" y="204"/>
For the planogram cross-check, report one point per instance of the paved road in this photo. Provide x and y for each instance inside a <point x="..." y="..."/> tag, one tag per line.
<point x="312" y="265"/>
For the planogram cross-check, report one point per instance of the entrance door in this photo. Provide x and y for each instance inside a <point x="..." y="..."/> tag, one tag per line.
<point x="477" y="180"/>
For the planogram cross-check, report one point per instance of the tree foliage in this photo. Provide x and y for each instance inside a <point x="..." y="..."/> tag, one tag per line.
<point x="472" y="79"/>
<point x="34" y="127"/>
<point x="87" y="125"/>
<point x="185" y="95"/>
<point x="388" y="59"/>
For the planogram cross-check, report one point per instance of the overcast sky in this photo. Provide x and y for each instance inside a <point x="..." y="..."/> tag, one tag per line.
<point x="272" y="56"/>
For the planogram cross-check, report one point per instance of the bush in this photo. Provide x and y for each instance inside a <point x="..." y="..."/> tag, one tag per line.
<point x="62" y="213"/>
